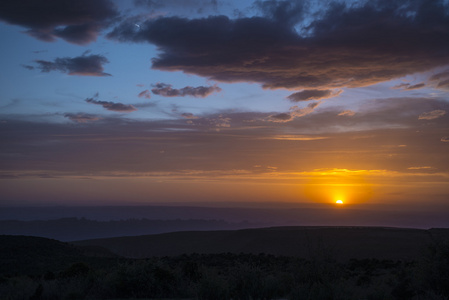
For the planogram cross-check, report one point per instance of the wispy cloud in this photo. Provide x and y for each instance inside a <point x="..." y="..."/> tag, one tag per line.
<point x="189" y="116"/>
<point x="144" y="94"/>
<point x="166" y="90"/>
<point x="441" y="79"/>
<point x="409" y="87"/>
<point x="113" y="106"/>
<point x="296" y="137"/>
<point x="431" y="115"/>
<point x="81" y="117"/>
<point x="295" y="112"/>
<point x="347" y="112"/>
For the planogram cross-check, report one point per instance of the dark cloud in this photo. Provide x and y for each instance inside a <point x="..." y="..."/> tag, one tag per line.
<point x="166" y="90"/>
<point x="290" y="12"/>
<point x="120" y="107"/>
<point x="144" y="94"/>
<point x="307" y="95"/>
<point x="408" y="86"/>
<point x="81" y="117"/>
<point x="343" y="46"/>
<point x="85" y="65"/>
<point x="77" y="22"/>
<point x="28" y="67"/>
<point x="185" y="7"/>
<point x="282" y="117"/>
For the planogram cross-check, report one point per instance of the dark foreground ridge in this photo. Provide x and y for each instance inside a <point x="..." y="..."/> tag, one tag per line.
<point x="308" y="264"/>
<point x="342" y="243"/>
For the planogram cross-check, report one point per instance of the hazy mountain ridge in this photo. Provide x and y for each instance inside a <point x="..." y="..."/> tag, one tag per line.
<point x="70" y="229"/>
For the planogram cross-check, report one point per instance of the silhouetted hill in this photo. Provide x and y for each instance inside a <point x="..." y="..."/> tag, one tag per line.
<point x="70" y="229"/>
<point x="35" y="255"/>
<point x="339" y="242"/>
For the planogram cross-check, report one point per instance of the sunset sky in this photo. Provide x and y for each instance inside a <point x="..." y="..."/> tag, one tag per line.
<point x="210" y="101"/>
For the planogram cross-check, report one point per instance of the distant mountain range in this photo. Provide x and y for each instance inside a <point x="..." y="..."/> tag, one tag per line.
<point x="72" y="229"/>
<point x="341" y="243"/>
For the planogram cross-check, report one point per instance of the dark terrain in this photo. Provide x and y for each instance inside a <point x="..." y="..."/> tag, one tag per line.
<point x="271" y="263"/>
<point x="342" y="242"/>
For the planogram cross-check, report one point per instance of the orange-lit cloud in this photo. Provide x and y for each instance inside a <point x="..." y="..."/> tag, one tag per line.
<point x="347" y="112"/>
<point x="434" y="114"/>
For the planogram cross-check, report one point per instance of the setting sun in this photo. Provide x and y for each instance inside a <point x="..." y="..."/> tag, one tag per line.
<point x="339" y="202"/>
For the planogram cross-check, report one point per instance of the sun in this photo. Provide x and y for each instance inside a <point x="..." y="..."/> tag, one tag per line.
<point x="339" y="202"/>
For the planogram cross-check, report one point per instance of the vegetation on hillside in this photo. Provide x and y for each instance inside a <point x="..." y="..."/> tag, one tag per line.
<point x="219" y="276"/>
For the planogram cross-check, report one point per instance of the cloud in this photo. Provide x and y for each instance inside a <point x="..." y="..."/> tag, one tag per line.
<point x="434" y="114"/>
<point x="443" y="84"/>
<point x="85" y="65"/>
<point x="221" y="121"/>
<point x="408" y="86"/>
<point x="440" y="80"/>
<point x="343" y="45"/>
<point x="113" y="106"/>
<point x="144" y="94"/>
<point x="189" y="116"/>
<point x="348" y="113"/>
<point x="166" y="90"/>
<point x="296" y="137"/>
<point x="77" y="22"/>
<point x="28" y="67"/>
<point x="81" y="117"/>
<point x="445" y="139"/>
<point x="186" y="7"/>
<point x="419" y="168"/>
<point x="307" y="95"/>
<point x="281" y="118"/>
<point x="295" y="112"/>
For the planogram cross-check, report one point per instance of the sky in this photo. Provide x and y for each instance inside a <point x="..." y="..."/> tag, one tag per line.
<point x="210" y="101"/>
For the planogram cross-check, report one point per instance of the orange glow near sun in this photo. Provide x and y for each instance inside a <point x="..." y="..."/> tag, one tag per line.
<point x="339" y="186"/>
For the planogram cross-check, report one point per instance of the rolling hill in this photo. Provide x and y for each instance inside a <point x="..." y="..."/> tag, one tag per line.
<point x="341" y="243"/>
